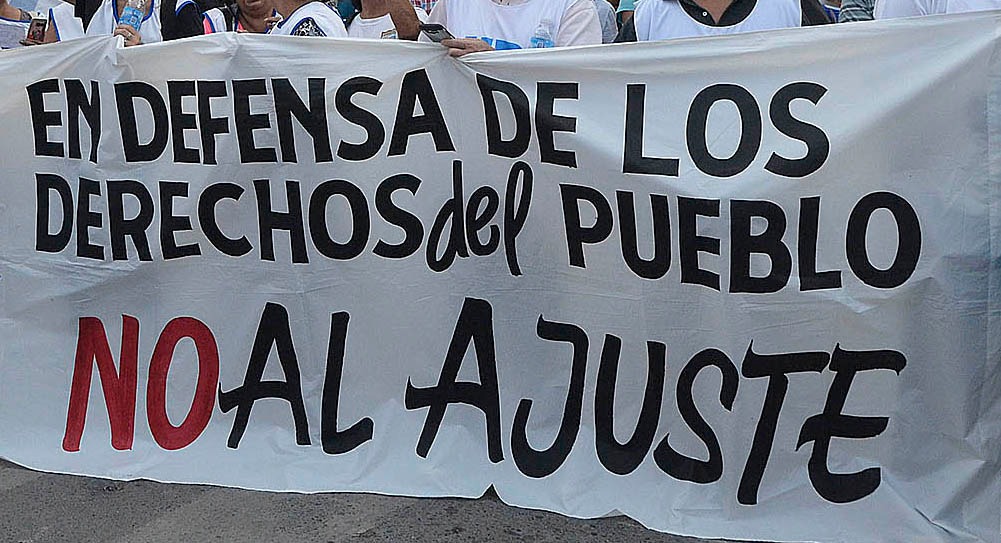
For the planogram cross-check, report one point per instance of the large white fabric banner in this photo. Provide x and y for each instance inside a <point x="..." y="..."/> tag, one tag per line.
<point x="744" y="287"/>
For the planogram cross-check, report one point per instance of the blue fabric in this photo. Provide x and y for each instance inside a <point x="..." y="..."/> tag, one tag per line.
<point x="626" y="5"/>
<point x="345" y="8"/>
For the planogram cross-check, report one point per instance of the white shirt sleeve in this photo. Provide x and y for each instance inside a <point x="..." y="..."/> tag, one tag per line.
<point x="439" y="14"/>
<point x="892" y="9"/>
<point x="580" y="25"/>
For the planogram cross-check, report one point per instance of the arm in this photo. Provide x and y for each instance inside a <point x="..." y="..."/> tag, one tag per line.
<point x="131" y="36"/>
<point x="405" y="19"/>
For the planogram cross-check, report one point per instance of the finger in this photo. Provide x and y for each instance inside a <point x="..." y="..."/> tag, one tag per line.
<point x="454" y="52"/>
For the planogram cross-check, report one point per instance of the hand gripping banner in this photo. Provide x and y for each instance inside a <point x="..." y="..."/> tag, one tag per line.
<point x="744" y="287"/>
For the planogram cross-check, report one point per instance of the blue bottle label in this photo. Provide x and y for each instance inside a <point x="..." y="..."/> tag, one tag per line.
<point x="131" y="16"/>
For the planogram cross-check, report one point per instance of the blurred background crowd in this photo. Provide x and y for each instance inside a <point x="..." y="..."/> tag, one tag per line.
<point x="464" y="26"/>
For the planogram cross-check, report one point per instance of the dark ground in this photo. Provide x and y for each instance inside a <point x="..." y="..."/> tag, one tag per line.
<point x="40" y="507"/>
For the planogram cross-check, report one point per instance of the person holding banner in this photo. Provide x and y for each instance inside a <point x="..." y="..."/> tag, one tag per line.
<point x="251" y="16"/>
<point x="163" y="20"/>
<point x="63" y="25"/>
<point x="656" y="20"/>
<point x="487" y="25"/>
<point x="386" y="19"/>
<point x="308" y="18"/>
<point x="105" y="21"/>
<point x="892" y="9"/>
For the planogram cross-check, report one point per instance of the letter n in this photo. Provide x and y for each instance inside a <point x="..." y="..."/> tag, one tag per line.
<point x="119" y="385"/>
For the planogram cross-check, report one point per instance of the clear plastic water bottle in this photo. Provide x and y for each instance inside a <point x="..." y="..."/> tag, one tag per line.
<point x="543" y="37"/>
<point x="133" y="13"/>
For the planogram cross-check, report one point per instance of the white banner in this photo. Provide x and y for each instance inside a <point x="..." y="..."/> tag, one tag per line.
<point x="744" y="287"/>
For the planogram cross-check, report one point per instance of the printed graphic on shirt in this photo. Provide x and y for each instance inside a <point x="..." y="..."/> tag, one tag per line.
<point x="497" y="43"/>
<point x="308" y="27"/>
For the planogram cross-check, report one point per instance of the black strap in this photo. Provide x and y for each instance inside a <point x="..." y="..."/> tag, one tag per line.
<point x="231" y="12"/>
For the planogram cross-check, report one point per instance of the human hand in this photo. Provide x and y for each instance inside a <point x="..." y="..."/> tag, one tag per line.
<point x="131" y="35"/>
<point x="273" y="20"/>
<point x="35" y="34"/>
<point x="463" y="46"/>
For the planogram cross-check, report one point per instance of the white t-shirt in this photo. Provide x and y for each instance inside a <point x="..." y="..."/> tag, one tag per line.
<point x="667" y="19"/>
<point x="12" y="32"/>
<point x="106" y="19"/>
<point x="379" y="28"/>
<point x="65" y="23"/>
<point x="575" y="22"/>
<point x="892" y="9"/>
<point x="311" y="19"/>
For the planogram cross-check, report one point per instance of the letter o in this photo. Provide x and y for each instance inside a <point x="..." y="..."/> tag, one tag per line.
<point x="167" y="435"/>
<point x="908" y="240"/>
<point x="750" y="130"/>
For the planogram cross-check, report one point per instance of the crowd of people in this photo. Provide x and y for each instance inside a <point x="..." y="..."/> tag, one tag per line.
<point x="464" y="26"/>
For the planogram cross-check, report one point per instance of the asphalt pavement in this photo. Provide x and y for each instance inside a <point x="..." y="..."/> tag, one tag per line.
<point x="40" y="507"/>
